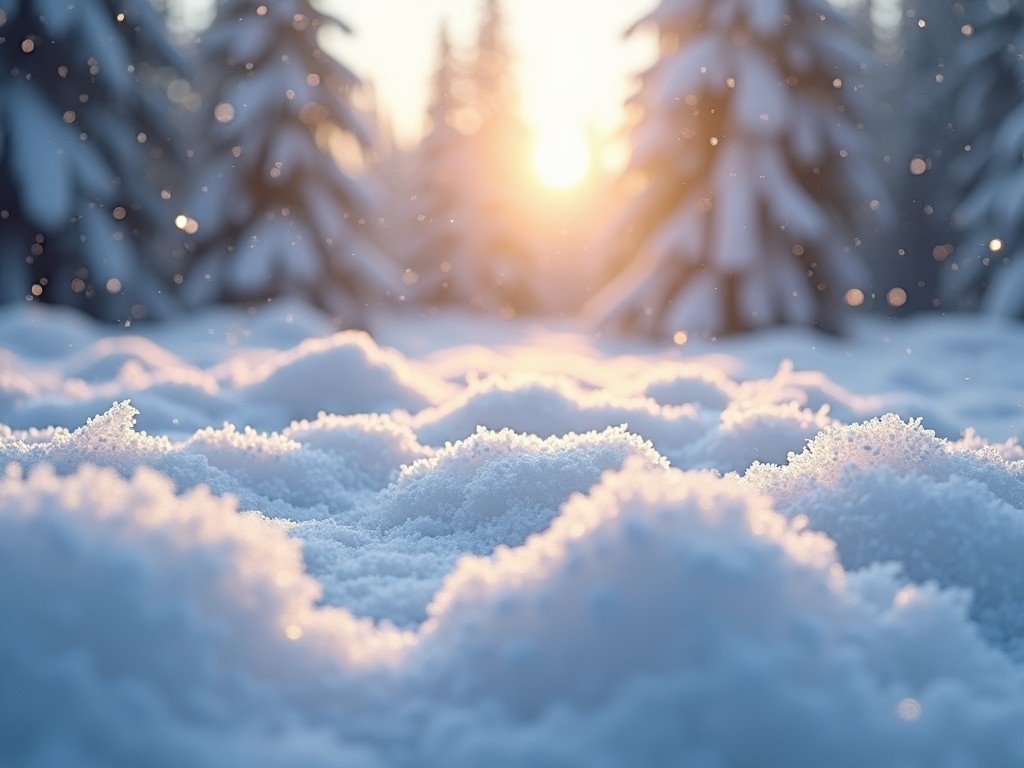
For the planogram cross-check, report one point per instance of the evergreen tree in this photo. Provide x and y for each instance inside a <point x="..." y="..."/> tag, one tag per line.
<point x="504" y="268"/>
<point x="925" y="133"/>
<point x="275" y="213"/>
<point x="438" y="189"/>
<point x="473" y="240"/>
<point x="81" y="134"/>
<point x="987" y="271"/>
<point x="753" y="162"/>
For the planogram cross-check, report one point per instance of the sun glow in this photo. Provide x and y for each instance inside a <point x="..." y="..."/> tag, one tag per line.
<point x="561" y="159"/>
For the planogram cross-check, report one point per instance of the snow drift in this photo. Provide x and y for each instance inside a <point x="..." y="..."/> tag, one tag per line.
<point x="383" y="558"/>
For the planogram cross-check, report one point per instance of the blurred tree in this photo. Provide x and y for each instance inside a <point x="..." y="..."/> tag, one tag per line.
<point x="275" y="213"/>
<point x="748" y="170"/>
<point x="82" y="132"/>
<point x="503" y="236"/>
<point x="439" y="188"/>
<point x="495" y="265"/>
<point x="986" y="271"/>
<point x="925" y="140"/>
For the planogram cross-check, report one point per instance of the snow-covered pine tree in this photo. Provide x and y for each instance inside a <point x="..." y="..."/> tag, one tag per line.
<point x="504" y="240"/>
<point x="987" y="269"/>
<point x="439" y="207"/>
<point x="752" y="158"/>
<point x="275" y="212"/>
<point x="81" y="134"/>
<point x="496" y="269"/>
<point x="925" y="137"/>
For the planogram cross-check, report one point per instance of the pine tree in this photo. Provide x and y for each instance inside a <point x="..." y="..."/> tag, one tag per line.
<point x="925" y="133"/>
<point x="987" y="271"/>
<point x="490" y="264"/>
<point x="753" y="162"/>
<point x="438" y="186"/>
<point x="81" y="134"/>
<point x="275" y="213"/>
<point x="503" y="272"/>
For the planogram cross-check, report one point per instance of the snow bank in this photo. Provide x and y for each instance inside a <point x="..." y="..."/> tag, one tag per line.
<point x="146" y="628"/>
<point x="674" y="618"/>
<point x="888" y="491"/>
<point x="343" y="551"/>
<point x="664" y="617"/>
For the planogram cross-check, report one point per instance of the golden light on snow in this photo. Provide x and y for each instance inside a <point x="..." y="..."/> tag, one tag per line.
<point x="560" y="158"/>
<point x="854" y="297"/>
<point x="995" y="245"/>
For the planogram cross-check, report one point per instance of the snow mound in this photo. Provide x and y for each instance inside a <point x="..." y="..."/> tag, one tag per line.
<point x="887" y="490"/>
<point x="345" y="373"/>
<point x="143" y="627"/>
<point x="513" y="569"/>
<point x="679" y="384"/>
<point x="749" y="433"/>
<point x="547" y="406"/>
<point x="497" y="477"/>
<point x="280" y="476"/>
<point x="108" y="439"/>
<point x="664" y="617"/>
<point x="675" y="618"/>
<point x="494" y="488"/>
<point x="374" y="443"/>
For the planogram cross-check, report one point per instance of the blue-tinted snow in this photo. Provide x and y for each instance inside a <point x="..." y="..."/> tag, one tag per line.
<point x="467" y="543"/>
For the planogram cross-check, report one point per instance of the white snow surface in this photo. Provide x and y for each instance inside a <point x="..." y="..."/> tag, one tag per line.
<point x="248" y="539"/>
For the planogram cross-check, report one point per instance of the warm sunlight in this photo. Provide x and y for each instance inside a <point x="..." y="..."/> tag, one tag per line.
<point x="561" y="159"/>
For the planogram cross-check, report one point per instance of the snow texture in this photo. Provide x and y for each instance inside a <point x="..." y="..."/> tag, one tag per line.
<point x="340" y="551"/>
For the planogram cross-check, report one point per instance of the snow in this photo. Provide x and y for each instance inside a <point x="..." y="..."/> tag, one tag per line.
<point x="248" y="538"/>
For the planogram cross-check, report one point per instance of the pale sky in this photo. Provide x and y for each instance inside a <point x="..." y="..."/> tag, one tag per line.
<point x="574" y="66"/>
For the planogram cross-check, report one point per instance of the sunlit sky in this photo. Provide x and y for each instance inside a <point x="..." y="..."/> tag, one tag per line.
<point x="574" y="67"/>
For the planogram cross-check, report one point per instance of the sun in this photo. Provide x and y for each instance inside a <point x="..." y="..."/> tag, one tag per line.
<point x="561" y="159"/>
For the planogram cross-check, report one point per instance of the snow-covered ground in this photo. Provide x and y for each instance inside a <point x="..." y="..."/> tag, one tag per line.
<point x="483" y="543"/>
